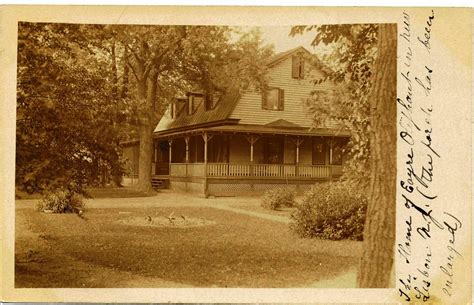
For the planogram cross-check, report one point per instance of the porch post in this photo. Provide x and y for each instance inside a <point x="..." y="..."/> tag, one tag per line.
<point x="206" y="185"/>
<point x="251" y="140"/>
<point x="186" y="140"/>
<point x="298" y="142"/>
<point x="155" y="157"/>
<point x="330" y="159"/>
<point x="251" y="152"/>
<point x="170" y="144"/>
<point x="205" y="147"/>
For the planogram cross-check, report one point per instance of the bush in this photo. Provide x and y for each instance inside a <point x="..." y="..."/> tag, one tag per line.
<point x="331" y="211"/>
<point x="279" y="197"/>
<point x="62" y="201"/>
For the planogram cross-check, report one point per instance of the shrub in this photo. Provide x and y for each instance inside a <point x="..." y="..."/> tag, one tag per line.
<point x="276" y="198"/>
<point x="62" y="201"/>
<point x="331" y="211"/>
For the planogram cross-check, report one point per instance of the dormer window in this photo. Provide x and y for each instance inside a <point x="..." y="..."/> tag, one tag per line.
<point x="177" y="105"/>
<point x="273" y="99"/>
<point x="211" y="100"/>
<point x="173" y="110"/>
<point x="190" y="106"/>
<point x="194" y="99"/>
<point x="297" y="67"/>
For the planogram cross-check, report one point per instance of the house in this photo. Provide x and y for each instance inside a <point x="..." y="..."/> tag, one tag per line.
<point x="247" y="142"/>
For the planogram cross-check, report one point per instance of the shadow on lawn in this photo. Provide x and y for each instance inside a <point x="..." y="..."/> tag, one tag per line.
<point x="118" y="192"/>
<point x="238" y="251"/>
<point x="98" y="192"/>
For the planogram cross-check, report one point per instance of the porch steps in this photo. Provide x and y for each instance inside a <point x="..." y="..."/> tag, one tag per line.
<point x="159" y="183"/>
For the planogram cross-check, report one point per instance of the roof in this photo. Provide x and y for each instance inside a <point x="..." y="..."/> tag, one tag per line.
<point x="265" y="129"/>
<point x="221" y="111"/>
<point x="284" y="55"/>
<point x="224" y="108"/>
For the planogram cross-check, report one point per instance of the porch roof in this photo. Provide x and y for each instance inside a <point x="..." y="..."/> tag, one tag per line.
<point x="261" y="129"/>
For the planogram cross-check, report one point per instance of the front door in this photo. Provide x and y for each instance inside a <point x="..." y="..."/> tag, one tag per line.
<point x="162" y="158"/>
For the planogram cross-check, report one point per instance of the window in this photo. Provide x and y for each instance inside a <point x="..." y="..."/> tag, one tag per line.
<point x="273" y="99"/>
<point x="173" y="110"/>
<point x="297" y="67"/>
<point x="273" y="150"/>
<point x="190" y="104"/>
<point x="193" y="102"/>
<point x="211" y="100"/>
<point x="337" y="152"/>
<point x="319" y="151"/>
<point x="218" y="149"/>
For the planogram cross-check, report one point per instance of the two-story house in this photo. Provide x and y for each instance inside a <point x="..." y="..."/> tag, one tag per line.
<point x="244" y="142"/>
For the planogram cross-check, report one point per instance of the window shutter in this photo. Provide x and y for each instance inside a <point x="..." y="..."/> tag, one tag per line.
<point x="295" y="71"/>
<point x="264" y="99"/>
<point x="281" y="100"/>
<point x="301" y="68"/>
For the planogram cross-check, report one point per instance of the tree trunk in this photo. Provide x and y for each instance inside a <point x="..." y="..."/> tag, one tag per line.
<point x="145" y="133"/>
<point x="379" y="233"/>
<point x="115" y="84"/>
<point x="124" y="92"/>
<point x="145" y="157"/>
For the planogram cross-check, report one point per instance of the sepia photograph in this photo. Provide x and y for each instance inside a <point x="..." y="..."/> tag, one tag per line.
<point x="205" y="156"/>
<point x="239" y="154"/>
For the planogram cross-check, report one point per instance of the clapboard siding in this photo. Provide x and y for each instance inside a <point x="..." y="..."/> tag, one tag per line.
<point x="249" y="108"/>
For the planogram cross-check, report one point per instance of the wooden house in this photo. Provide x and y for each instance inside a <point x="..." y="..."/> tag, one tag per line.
<point x="248" y="142"/>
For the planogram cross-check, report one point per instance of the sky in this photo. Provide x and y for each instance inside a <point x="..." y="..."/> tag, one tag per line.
<point x="279" y="37"/>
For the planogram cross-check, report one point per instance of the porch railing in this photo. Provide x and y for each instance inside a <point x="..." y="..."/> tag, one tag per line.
<point x="187" y="169"/>
<point x="254" y="170"/>
<point x="268" y="170"/>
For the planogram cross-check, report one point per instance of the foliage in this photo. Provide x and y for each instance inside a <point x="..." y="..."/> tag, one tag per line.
<point x="331" y="211"/>
<point x="65" y="113"/>
<point x="62" y="201"/>
<point x="276" y="198"/>
<point x="352" y="53"/>
<point x="168" y="60"/>
<point x="84" y="88"/>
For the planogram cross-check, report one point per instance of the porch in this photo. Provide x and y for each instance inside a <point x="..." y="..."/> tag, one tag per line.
<point x="215" y="161"/>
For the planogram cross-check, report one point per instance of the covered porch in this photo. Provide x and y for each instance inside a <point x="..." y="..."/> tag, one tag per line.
<point x="238" y="155"/>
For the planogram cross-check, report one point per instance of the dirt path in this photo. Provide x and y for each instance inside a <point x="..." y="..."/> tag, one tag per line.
<point x="250" y="213"/>
<point x="167" y="199"/>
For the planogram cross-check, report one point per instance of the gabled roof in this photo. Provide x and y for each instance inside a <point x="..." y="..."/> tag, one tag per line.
<point x="201" y="116"/>
<point x="282" y="123"/>
<point x="284" y="55"/>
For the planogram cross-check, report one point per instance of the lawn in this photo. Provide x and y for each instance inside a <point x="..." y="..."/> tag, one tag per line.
<point x="97" y="192"/>
<point x="236" y="251"/>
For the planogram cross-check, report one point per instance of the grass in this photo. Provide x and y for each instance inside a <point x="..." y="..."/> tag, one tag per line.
<point x="238" y="251"/>
<point x="117" y="192"/>
<point x="284" y="211"/>
<point x="97" y="192"/>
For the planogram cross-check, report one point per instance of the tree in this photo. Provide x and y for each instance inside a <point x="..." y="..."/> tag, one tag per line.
<point x="363" y="59"/>
<point x="119" y="79"/>
<point x="379" y="234"/>
<point x="65" y="129"/>
<point x="165" y="60"/>
<point x="350" y="65"/>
